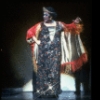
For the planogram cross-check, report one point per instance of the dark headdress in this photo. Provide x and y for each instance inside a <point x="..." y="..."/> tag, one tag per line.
<point x="51" y="11"/>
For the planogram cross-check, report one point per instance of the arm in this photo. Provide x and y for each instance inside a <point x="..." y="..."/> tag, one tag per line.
<point x="36" y="41"/>
<point x="75" y="27"/>
<point x="30" y="41"/>
<point x="31" y="34"/>
<point x="33" y="40"/>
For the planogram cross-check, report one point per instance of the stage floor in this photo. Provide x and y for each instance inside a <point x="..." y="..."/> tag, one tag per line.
<point x="64" y="95"/>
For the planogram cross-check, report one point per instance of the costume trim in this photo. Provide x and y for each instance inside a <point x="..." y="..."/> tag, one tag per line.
<point x="74" y="65"/>
<point x="46" y="10"/>
<point x="66" y="47"/>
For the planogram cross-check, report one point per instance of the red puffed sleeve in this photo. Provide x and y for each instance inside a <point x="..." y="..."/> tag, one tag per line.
<point x="32" y="31"/>
<point x="73" y="28"/>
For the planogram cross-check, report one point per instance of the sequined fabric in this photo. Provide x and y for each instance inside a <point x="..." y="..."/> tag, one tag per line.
<point x="49" y="57"/>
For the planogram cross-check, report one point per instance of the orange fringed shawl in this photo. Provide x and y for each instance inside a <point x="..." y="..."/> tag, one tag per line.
<point x="72" y="28"/>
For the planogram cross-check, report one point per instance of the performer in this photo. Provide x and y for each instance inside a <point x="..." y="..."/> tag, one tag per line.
<point x="56" y="47"/>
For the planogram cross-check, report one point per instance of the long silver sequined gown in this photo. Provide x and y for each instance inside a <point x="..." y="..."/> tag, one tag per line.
<point x="49" y="57"/>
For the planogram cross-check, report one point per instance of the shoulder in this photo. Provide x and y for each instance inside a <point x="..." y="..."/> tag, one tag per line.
<point x="35" y="26"/>
<point x="62" y="24"/>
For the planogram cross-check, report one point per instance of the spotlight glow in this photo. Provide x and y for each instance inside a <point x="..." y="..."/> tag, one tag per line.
<point x="67" y="84"/>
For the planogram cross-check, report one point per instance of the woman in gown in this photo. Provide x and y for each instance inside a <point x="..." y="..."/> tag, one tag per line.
<point x="53" y="51"/>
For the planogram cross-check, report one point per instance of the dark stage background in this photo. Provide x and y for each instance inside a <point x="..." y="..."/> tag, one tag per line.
<point x="16" y="19"/>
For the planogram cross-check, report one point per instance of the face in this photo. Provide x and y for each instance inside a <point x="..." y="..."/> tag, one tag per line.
<point x="46" y="17"/>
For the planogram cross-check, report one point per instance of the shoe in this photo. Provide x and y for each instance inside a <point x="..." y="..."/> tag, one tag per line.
<point x="77" y="92"/>
<point x="87" y="93"/>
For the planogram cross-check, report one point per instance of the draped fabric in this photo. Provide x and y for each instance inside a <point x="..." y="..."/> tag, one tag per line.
<point x="73" y="53"/>
<point x="61" y="50"/>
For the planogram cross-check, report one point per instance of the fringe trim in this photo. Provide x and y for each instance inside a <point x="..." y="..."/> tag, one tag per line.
<point x="75" y="65"/>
